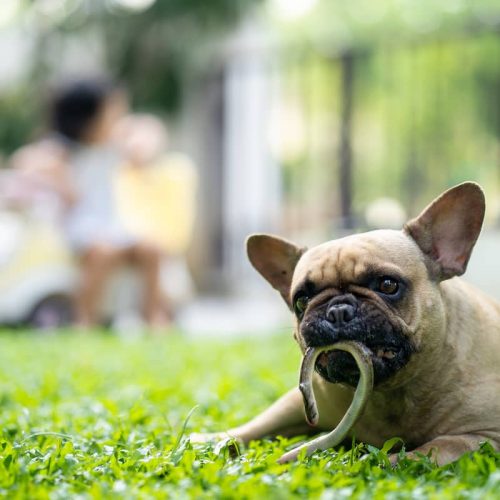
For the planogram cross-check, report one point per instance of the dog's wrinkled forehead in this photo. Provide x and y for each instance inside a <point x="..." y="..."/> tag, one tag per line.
<point x="345" y="260"/>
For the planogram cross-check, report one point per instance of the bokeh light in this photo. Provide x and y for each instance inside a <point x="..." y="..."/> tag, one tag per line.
<point x="292" y="9"/>
<point x="133" y="5"/>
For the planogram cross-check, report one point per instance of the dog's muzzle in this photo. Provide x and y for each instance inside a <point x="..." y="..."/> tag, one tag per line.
<point x="344" y="317"/>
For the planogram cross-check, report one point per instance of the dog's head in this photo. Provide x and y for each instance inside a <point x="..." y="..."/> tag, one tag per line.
<point x="380" y="288"/>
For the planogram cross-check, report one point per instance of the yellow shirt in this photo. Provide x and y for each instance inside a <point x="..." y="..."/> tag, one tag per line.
<point x="156" y="202"/>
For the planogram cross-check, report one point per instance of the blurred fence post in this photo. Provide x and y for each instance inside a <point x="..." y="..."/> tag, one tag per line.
<point x="345" y="142"/>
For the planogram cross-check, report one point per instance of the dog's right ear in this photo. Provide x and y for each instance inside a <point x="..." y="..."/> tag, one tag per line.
<point x="274" y="258"/>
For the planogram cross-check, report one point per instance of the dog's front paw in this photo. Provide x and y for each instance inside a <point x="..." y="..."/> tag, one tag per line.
<point x="219" y="440"/>
<point x="397" y="458"/>
<point x="394" y="459"/>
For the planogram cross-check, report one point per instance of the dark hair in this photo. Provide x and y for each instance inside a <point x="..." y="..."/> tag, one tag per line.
<point x="76" y="105"/>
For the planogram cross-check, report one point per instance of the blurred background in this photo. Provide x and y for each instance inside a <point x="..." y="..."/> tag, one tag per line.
<point x="306" y="118"/>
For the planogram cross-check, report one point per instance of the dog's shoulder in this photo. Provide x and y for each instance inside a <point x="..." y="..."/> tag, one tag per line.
<point x="473" y="319"/>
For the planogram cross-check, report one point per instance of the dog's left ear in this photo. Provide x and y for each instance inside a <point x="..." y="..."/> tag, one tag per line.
<point x="274" y="258"/>
<point x="448" y="228"/>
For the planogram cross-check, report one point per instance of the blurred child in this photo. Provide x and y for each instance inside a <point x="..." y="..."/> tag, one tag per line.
<point x="155" y="194"/>
<point x="84" y="115"/>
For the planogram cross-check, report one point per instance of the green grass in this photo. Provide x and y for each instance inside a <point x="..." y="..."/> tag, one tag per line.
<point x="96" y="416"/>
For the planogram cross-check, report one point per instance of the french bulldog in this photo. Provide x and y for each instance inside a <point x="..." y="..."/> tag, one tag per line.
<point x="434" y="339"/>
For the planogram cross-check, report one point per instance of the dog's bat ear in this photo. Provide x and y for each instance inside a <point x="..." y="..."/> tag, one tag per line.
<point x="448" y="228"/>
<point x="274" y="258"/>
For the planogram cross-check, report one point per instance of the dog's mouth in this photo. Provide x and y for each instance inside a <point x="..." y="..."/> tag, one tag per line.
<point x="339" y="366"/>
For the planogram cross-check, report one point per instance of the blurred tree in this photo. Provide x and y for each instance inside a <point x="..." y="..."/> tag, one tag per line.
<point x="17" y="123"/>
<point x="420" y="110"/>
<point x="153" y="51"/>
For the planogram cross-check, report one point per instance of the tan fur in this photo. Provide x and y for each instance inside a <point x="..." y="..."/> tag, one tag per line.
<point x="446" y="400"/>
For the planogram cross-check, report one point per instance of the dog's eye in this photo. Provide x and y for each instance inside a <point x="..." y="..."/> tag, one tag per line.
<point x="388" y="286"/>
<point x="300" y="305"/>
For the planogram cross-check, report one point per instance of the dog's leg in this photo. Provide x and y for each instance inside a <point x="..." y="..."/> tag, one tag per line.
<point x="446" y="449"/>
<point x="284" y="417"/>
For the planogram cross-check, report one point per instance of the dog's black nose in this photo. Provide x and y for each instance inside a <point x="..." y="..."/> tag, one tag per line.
<point x="341" y="310"/>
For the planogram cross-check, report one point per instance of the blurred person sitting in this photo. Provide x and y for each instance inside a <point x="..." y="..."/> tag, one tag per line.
<point x="83" y="116"/>
<point x="155" y="193"/>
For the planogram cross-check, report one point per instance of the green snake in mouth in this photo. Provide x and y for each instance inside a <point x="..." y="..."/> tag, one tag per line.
<point x="363" y="357"/>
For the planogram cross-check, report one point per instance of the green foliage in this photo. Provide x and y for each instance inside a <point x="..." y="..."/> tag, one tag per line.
<point x="174" y="46"/>
<point x="20" y="118"/>
<point x="426" y="116"/>
<point x="101" y="417"/>
<point x="363" y="23"/>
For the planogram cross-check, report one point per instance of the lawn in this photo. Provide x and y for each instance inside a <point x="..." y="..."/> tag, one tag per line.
<point x="97" y="416"/>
